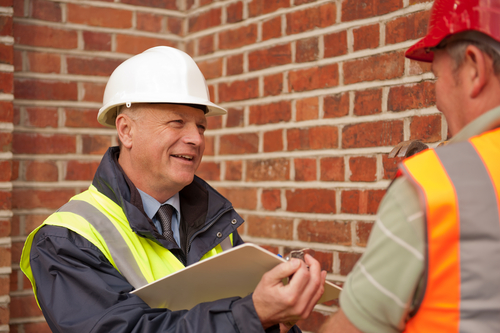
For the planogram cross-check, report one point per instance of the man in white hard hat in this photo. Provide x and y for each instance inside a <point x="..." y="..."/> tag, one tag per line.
<point x="146" y="215"/>
<point x="432" y="261"/>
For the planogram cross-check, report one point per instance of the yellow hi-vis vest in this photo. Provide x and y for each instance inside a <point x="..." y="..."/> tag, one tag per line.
<point x="102" y="222"/>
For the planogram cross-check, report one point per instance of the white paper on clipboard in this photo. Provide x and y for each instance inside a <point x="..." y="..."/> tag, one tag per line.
<point x="235" y="272"/>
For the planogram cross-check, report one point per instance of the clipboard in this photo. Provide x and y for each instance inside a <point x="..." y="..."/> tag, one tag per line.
<point x="235" y="272"/>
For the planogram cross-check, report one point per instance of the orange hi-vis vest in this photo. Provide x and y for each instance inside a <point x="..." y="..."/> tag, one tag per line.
<point x="459" y="185"/>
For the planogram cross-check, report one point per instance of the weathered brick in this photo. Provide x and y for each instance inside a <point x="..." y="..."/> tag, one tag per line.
<point x="367" y="37"/>
<point x="271" y="28"/>
<point x="320" y="201"/>
<point x="137" y="44"/>
<point x="307" y="50"/>
<point x="6" y="82"/>
<point x="314" y="78"/>
<point x="307" y="109"/>
<point x="93" y="92"/>
<point x="271" y="199"/>
<point x="41" y="171"/>
<point x="236" y="38"/>
<point x="211" y="69"/>
<point x="98" y="16"/>
<point x="329" y="232"/>
<point x="32" y="222"/>
<point x="390" y="166"/>
<point x="162" y="4"/>
<point x="412" y="96"/>
<point x="24" y="306"/>
<point x="49" y="199"/>
<point x="44" y="62"/>
<point x="235" y="117"/>
<point x="91" y="66"/>
<point x="310" y="18"/>
<point x="15" y="170"/>
<point x="274" y="56"/>
<point x="43" y="36"/>
<point x="5" y="25"/>
<point x="32" y="143"/>
<point x="244" y="143"/>
<point x="259" y="7"/>
<point x="335" y="44"/>
<point x="46" y="10"/>
<point x="174" y="25"/>
<point x="235" y="12"/>
<point x="209" y="171"/>
<point x="270" y="227"/>
<point x="41" y="117"/>
<point x="273" y="84"/>
<point x="360" y="9"/>
<point x="18" y="61"/>
<point x="238" y="90"/>
<point x="363" y="230"/>
<point x="336" y="105"/>
<point x="270" y="113"/>
<point x="42" y="327"/>
<point x="419" y="67"/>
<point x="205" y="20"/>
<point x="81" y="118"/>
<point x="5" y="142"/>
<point x="95" y="144"/>
<point x="368" y="102"/>
<point x="363" y="169"/>
<point x="378" y="67"/>
<point x="209" y="146"/>
<point x="426" y="128"/>
<point x="45" y="90"/>
<point x="268" y="170"/>
<point x="374" y="134"/>
<point x="5" y="171"/>
<point x="5" y="201"/>
<point x="361" y="202"/>
<point x="413" y="26"/>
<point x="347" y="261"/>
<point x="149" y="22"/>
<point x="6" y="54"/>
<point x="206" y="45"/>
<point x="234" y="64"/>
<point x="6" y="112"/>
<point x="243" y="198"/>
<point x="273" y="141"/>
<point x="305" y="169"/>
<point x="321" y="137"/>
<point x="78" y="170"/>
<point x="234" y="170"/>
<point x="214" y="122"/>
<point x="332" y="169"/>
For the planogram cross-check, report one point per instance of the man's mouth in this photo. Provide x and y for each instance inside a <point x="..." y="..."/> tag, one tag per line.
<point x="186" y="157"/>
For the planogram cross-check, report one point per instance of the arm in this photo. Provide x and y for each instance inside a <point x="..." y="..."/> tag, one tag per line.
<point x="339" y="323"/>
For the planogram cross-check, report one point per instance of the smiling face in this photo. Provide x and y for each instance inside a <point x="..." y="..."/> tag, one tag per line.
<point x="162" y="147"/>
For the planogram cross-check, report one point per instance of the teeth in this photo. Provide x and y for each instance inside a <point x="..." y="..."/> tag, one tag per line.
<point x="184" y="156"/>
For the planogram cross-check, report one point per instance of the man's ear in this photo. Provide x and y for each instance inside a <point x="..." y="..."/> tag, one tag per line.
<point x="124" y="128"/>
<point x="479" y="69"/>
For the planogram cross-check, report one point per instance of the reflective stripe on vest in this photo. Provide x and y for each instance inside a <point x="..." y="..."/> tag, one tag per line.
<point x="460" y="185"/>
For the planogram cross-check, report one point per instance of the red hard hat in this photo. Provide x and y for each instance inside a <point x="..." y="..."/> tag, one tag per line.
<point x="449" y="17"/>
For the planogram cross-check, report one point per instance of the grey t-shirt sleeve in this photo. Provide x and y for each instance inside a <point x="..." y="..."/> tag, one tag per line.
<point x="379" y="292"/>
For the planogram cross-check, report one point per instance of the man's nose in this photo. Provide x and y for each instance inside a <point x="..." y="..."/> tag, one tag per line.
<point x="193" y="135"/>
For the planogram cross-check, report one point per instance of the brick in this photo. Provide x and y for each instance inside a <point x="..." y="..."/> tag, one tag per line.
<point x="235" y="12"/>
<point x="367" y="102"/>
<point x="426" y="128"/>
<point x="413" y="26"/>
<point x="214" y="122"/>
<point x="81" y="118"/>
<point x="209" y="171"/>
<point x="374" y="134"/>
<point x="412" y="96"/>
<point x="307" y="50"/>
<point x="273" y="84"/>
<point x="274" y="56"/>
<point x="205" y="20"/>
<point x="308" y="19"/>
<point x="363" y="230"/>
<point x="162" y="4"/>
<point x="316" y="319"/>
<point x="44" y="62"/>
<point x="48" y="199"/>
<point x="307" y="109"/>
<point x="24" y="306"/>
<point x="6" y="3"/>
<point x="211" y="69"/>
<point x="77" y="170"/>
<point x="238" y="90"/>
<point x="259" y="7"/>
<point x="270" y="227"/>
<point x="335" y="44"/>
<point x="244" y="143"/>
<point x="15" y="170"/>
<point x="92" y="66"/>
<point x="236" y="38"/>
<point x="390" y="166"/>
<point x="271" y="199"/>
<point x="235" y="117"/>
<point x="43" y="36"/>
<point x="18" y="7"/>
<point x="234" y="170"/>
<point x="6" y="112"/>
<point x="41" y="327"/>
<point x="206" y="45"/>
<point x="347" y="261"/>
<point x="419" y="67"/>
<point x="6" y="54"/>
<point x="149" y="22"/>
<point x="367" y="37"/>
<point x="319" y="201"/>
<point x="4" y="284"/>
<point x="305" y="169"/>
<point x="93" y="92"/>
<point x="6" y="83"/>
<point x="321" y="137"/>
<point x="271" y="28"/>
<point x="174" y="25"/>
<point x="5" y="25"/>
<point x="32" y="222"/>
<point x="241" y="198"/>
<point x="268" y="170"/>
<point x="332" y="169"/>
<point x="363" y="169"/>
<point x="360" y="9"/>
<point x="5" y="257"/>
<point x="300" y="2"/>
<point x="209" y="146"/>
<point x="234" y="64"/>
<point x="189" y="4"/>
<point x="99" y="16"/>
<point x="5" y="201"/>
<point x="45" y="90"/>
<point x="138" y="44"/>
<point x="39" y="171"/>
<point x="378" y="67"/>
<point x="95" y="144"/>
<point x="328" y="232"/>
<point x="361" y="202"/>
<point x="46" y="10"/>
<point x="273" y="141"/>
<point x="18" y="61"/>
<point x="5" y="171"/>
<point x="314" y="78"/>
<point x="270" y="113"/>
<point x="5" y="142"/>
<point x="31" y="143"/>
<point x="335" y="106"/>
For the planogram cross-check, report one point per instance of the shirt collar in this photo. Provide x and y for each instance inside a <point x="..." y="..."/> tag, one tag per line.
<point x="481" y="124"/>
<point x="151" y="205"/>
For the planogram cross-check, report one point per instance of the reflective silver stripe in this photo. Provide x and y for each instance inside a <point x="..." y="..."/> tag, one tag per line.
<point x="226" y="244"/>
<point x="120" y="252"/>
<point x="479" y="238"/>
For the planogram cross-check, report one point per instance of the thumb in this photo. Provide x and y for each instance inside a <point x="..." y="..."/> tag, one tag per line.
<point x="285" y="269"/>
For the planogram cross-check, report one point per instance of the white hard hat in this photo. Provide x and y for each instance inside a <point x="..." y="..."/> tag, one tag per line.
<point x="161" y="74"/>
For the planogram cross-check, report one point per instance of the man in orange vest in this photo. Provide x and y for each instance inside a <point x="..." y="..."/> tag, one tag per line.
<point x="432" y="263"/>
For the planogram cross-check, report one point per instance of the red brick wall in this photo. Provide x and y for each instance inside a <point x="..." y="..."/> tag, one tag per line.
<point x="318" y="92"/>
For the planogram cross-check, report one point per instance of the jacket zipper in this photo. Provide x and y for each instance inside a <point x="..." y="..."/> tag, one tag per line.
<point x="206" y="227"/>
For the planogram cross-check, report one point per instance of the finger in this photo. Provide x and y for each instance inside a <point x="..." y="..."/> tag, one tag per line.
<point x="283" y="270"/>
